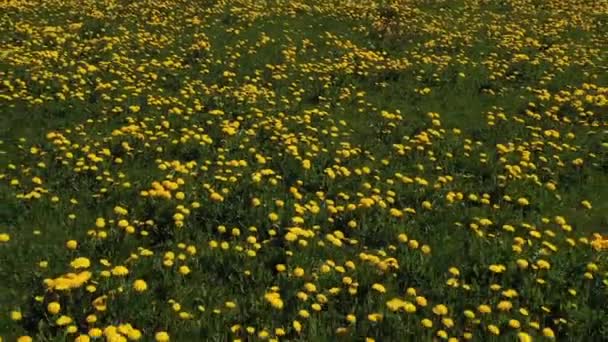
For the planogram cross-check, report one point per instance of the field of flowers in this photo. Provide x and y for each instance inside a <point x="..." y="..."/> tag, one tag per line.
<point x="313" y="170"/>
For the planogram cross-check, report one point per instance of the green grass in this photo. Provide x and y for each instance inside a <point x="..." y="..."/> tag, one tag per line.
<point x="439" y="135"/>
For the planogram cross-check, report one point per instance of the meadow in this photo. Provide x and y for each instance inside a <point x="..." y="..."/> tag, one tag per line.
<point x="303" y="170"/>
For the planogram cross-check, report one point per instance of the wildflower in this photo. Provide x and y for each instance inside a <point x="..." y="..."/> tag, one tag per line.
<point x="298" y="272"/>
<point x="454" y="271"/>
<point x="118" y="210"/>
<point x="161" y="336"/>
<point x="522" y="264"/>
<point x="53" y="308"/>
<point x="184" y="270"/>
<point x="440" y="310"/>
<point x="274" y="299"/>
<point x="100" y="303"/>
<point x="504" y="305"/>
<point x="100" y="222"/>
<point x="134" y="334"/>
<point x="82" y="338"/>
<point x="497" y="268"/>
<point x="120" y="271"/>
<point x="524" y="337"/>
<point x="409" y="307"/>
<point x="216" y="197"/>
<point x="379" y="287"/>
<point x="63" y="320"/>
<point x="140" y="285"/>
<point x="80" y="263"/>
<point x="395" y="304"/>
<point x="513" y="323"/>
<point x="95" y="332"/>
<point x="547" y="332"/>
<point x="484" y="309"/>
<point x="448" y="322"/>
<point x="4" y="237"/>
<point x="543" y="264"/>
<point x="16" y="315"/>
<point x="427" y="323"/>
<point x="375" y="317"/>
<point x="71" y="244"/>
<point x="493" y="329"/>
<point x="421" y="301"/>
<point x="442" y="334"/>
<point x="351" y="318"/>
<point x="426" y="249"/>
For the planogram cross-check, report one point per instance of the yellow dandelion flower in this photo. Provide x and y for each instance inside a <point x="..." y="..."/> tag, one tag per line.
<point x="71" y="244"/>
<point x="440" y="310"/>
<point x="63" y="320"/>
<point x="427" y="323"/>
<point x="80" y="262"/>
<point x="120" y="271"/>
<point x="379" y="287"/>
<point x="161" y="336"/>
<point x="140" y="285"/>
<point x="4" y="237"/>
<point x="53" y="308"/>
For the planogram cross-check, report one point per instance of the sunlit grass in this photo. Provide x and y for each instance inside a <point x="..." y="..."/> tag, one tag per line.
<point x="303" y="170"/>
